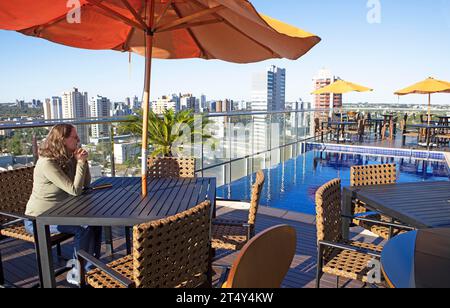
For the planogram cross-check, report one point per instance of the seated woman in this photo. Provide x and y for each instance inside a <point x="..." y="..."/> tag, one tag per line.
<point x="62" y="171"/>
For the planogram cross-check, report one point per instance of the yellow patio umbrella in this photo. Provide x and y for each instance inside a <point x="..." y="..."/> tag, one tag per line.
<point x="341" y="87"/>
<point x="428" y="86"/>
<point x="229" y="30"/>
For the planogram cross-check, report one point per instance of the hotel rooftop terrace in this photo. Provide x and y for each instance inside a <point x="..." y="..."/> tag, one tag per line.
<point x="308" y="155"/>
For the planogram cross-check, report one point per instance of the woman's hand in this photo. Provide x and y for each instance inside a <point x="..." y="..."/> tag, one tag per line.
<point x="81" y="155"/>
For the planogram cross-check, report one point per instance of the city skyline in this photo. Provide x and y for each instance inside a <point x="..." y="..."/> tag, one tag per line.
<point x="386" y="56"/>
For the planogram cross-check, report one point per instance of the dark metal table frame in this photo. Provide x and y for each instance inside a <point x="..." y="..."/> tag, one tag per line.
<point x="121" y="205"/>
<point x="419" y="205"/>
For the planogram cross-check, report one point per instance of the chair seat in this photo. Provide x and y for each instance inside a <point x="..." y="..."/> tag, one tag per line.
<point x="19" y="232"/>
<point x="350" y="264"/>
<point x="124" y="266"/>
<point x="230" y="237"/>
<point x="99" y="279"/>
<point x="380" y="230"/>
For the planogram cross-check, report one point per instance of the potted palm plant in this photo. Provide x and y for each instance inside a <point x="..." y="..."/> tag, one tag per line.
<point x="171" y="132"/>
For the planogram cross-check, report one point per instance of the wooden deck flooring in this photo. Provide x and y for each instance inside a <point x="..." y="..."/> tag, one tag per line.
<point x="20" y="265"/>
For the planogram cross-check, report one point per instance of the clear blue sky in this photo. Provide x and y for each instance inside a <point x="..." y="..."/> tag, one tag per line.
<point x="411" y="43"/>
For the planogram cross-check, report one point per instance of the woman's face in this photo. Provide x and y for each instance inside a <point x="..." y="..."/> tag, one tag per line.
<point x="71" y="142"/>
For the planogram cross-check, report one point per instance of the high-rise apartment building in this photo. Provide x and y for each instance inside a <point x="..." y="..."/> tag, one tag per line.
<point x="47" y="109"/>
<point x="75" y="106"/>
<point x="268" y="94"/>
<point x="329" y="100"/>
<point x="56" y="108"/>
<point x="100" y="107"/>
<point x="163" y="104"/>
<point x="269" y="90"/>
<point x="188" y="101"/>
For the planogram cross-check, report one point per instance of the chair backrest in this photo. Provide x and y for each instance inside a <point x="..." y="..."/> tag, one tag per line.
<point x="361" y="127"/>
<point x="16" y="187"/>
<point x="403" y="126"/>
<point x="173" y="252"/>
<point x="265" y="260"/>
<point x="373" y="175"/>
<point x="170" y="167"/>
<point x="316" y="124"/>
<point x="328" y="212"/>
<point x="256" y="197"/>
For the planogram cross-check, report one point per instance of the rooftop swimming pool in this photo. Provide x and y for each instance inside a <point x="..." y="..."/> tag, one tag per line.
<point x="292" y="185"/>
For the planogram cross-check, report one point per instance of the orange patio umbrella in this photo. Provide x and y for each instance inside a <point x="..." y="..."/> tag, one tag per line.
<point x="229" y="30"/>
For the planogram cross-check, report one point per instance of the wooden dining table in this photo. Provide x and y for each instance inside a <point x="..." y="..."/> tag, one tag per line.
<point x="121" y="205"/>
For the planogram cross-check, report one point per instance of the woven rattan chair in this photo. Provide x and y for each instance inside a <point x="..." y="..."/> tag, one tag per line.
<point x="168" y="253"/>
<point x="165" y="167"/>
<point x="15" y="190"/>
<point x="406" y="133"/>
<point x="320" y="131"/>
<point x="373" y="175"/>
<point x="234" y="234"/>
<point x="337" y="256"/>
<point x="170" y="167"/>
<point x="264" y="261"/>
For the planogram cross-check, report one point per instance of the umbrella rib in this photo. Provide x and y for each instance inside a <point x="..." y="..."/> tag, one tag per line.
<point x="239" y="31"/>
<point x="186" y="19"/>
<point x="135" y="14"/>
<point x="164" y="11"/>
<point x="115" y="15"/>
<point x="194" y="38"/>
<point x="52" y="22"/>
<point x="192" y="25"/>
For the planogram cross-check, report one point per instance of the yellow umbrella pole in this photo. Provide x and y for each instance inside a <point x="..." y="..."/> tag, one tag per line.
<point x="146" y="99"/>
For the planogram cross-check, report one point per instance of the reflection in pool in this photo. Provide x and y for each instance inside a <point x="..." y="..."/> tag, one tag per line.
<point x="292" y="185"/>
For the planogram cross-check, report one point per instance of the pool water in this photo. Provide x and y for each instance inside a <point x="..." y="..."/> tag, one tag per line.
<point x="292" y="185"/>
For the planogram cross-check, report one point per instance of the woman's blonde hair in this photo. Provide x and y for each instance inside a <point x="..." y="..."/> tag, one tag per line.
<point x="53" y="146"/>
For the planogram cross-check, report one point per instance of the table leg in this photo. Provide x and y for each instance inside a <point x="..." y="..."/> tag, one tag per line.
<point x="346" y="212"/>
<point x="338" y="133"/>
<point x="45" y="255"/>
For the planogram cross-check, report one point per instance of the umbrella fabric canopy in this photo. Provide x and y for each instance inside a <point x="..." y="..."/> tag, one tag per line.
<point x="428" y="86"/>
<point x="341" y="87"/>
<point x="229" y="30"/>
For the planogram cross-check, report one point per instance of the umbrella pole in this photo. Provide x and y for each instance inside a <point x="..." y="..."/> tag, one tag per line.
<point x="146" y="100"/>
<point x="429" y="108"/>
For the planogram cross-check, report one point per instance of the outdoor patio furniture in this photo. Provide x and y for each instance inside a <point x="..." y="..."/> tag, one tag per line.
<point x="337" y="256"/>
<point x="406" y="133"/>
<point x="322" y="128"/>
<point x="121" y="205"/>
<point x="165" y="168"/>
<point x="372" y="175"/>
<point x="264" y="261"/>
<point x="170" y="167"/>
<point x="418" y="259"/>
<point x="234" y="234"/>
<point x="15" y="190"/>
<point x="171" y="252"/>
<point x="357" y="130"/>
<point x="418" y="205"/>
